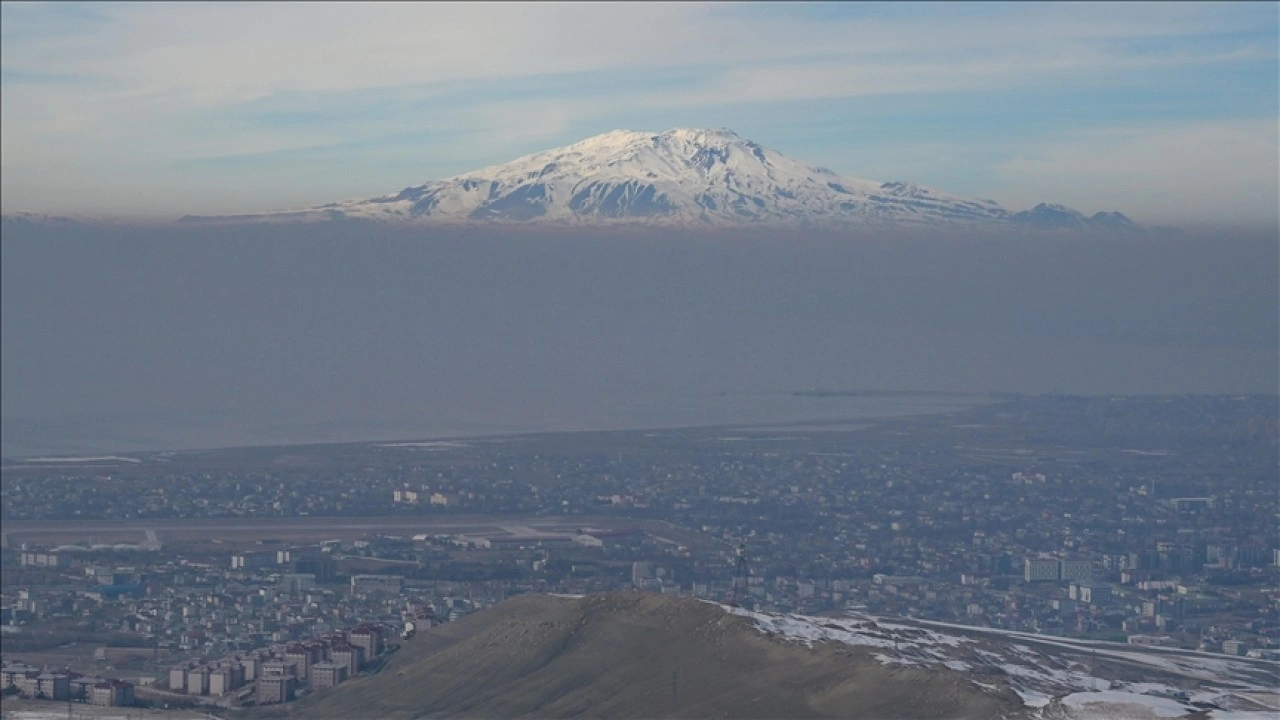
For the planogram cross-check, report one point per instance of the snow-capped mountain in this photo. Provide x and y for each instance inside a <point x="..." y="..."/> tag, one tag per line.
<point x="683" y="177"/>
<point x="32" y="218"/>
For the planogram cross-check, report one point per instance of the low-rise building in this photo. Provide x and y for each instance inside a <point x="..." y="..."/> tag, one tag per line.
<point x="53" y="686"/>
<point x="112" y="693"/>
<point x="27" y="684"/>
<point x="1154" y="640"/>
<point x="1235" y="647"/>
<point x="1095" y="593"/>
<point x="250" y="560"/>
<point x="10" y="673"/>
<point x="43" y="559"/>
<point x="366" y="584"/>
<point x="82" y="687"/>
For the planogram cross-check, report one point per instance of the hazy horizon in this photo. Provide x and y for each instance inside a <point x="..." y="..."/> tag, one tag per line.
<point x="211" y="336"/>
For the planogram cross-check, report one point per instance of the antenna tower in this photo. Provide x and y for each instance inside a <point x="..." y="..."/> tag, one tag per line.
<point x="739" y="591"/>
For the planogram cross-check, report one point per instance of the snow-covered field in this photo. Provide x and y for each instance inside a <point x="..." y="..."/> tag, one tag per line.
<point x="1161" y="707"/>
<point x="428" y="445"/>
<point x="93" y="459"/>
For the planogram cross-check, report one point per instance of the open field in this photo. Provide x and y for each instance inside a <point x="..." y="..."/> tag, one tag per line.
<point x="129" y="663"/>
<point x="17" y="709"/>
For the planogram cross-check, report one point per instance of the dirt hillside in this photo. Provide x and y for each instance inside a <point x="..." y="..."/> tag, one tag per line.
<point x="614" y="656"/>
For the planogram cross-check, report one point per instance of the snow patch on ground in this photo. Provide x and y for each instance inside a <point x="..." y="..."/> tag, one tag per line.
<point x="431" y="445"/>
<point x="1041" y="668"/>
<point x="1160" y="707"/>
<point x="1240" y="715"/>
<point x="96" y="458"/>
<point x="1033" y="699"/>
<point x="1186" y="663"/>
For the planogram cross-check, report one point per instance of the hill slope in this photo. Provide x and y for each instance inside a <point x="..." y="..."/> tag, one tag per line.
<point x="613" y="656"/>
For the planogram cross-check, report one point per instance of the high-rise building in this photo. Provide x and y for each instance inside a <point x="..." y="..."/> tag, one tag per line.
<point x="198" y="681"/>
<point x="368" y="639"/>
<point x="178" y="679"/>
<point x="1040" y="569"/>
<point x="297" y="583"/>
<point x="301" y="657"/>
<point x="274" y="689"/>
<point x="223" y="680"/>
<point x="327" y="675"/>
<point x="323" y="567"/>
<point x="1075" y="570"/>
<point x="349" y="655"/>
<point x="641" y="572"/>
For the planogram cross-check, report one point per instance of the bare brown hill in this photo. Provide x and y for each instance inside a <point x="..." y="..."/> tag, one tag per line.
<point x="639" y="655"/>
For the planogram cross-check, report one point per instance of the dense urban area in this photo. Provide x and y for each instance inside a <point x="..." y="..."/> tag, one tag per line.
<point x="254" y="576"/>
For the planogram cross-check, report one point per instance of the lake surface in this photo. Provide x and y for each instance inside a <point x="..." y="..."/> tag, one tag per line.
<point x="123" y="339"/>
<point x="104" y="433"/>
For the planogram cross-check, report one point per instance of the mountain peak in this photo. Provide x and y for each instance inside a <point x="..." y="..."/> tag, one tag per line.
<point x="685" y="176"/>
<point x="703" y="135"/>
<point x="613" y="138"/>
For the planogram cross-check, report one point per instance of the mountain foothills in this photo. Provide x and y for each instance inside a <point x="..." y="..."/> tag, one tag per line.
<point x="683" y="178"/>
<point x="645" y="655"/>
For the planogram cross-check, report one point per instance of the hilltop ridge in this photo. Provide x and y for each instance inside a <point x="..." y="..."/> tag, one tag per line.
<point x="629" y="654"/>
<point x="613" y="655"/>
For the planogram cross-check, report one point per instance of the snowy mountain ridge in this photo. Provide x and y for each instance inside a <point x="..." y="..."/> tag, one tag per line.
<point x="684" y="177"/>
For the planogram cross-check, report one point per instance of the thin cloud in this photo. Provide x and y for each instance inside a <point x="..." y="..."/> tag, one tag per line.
<point x="157" y="84"/>
<point x="238" y="51"/>
<point x="1160" y="173"/>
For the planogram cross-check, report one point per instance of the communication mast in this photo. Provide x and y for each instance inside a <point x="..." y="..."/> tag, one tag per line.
<point x="738" y="592"/>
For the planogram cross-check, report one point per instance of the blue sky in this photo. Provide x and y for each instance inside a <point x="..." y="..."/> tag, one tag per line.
<point x="1167" y="112"/>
